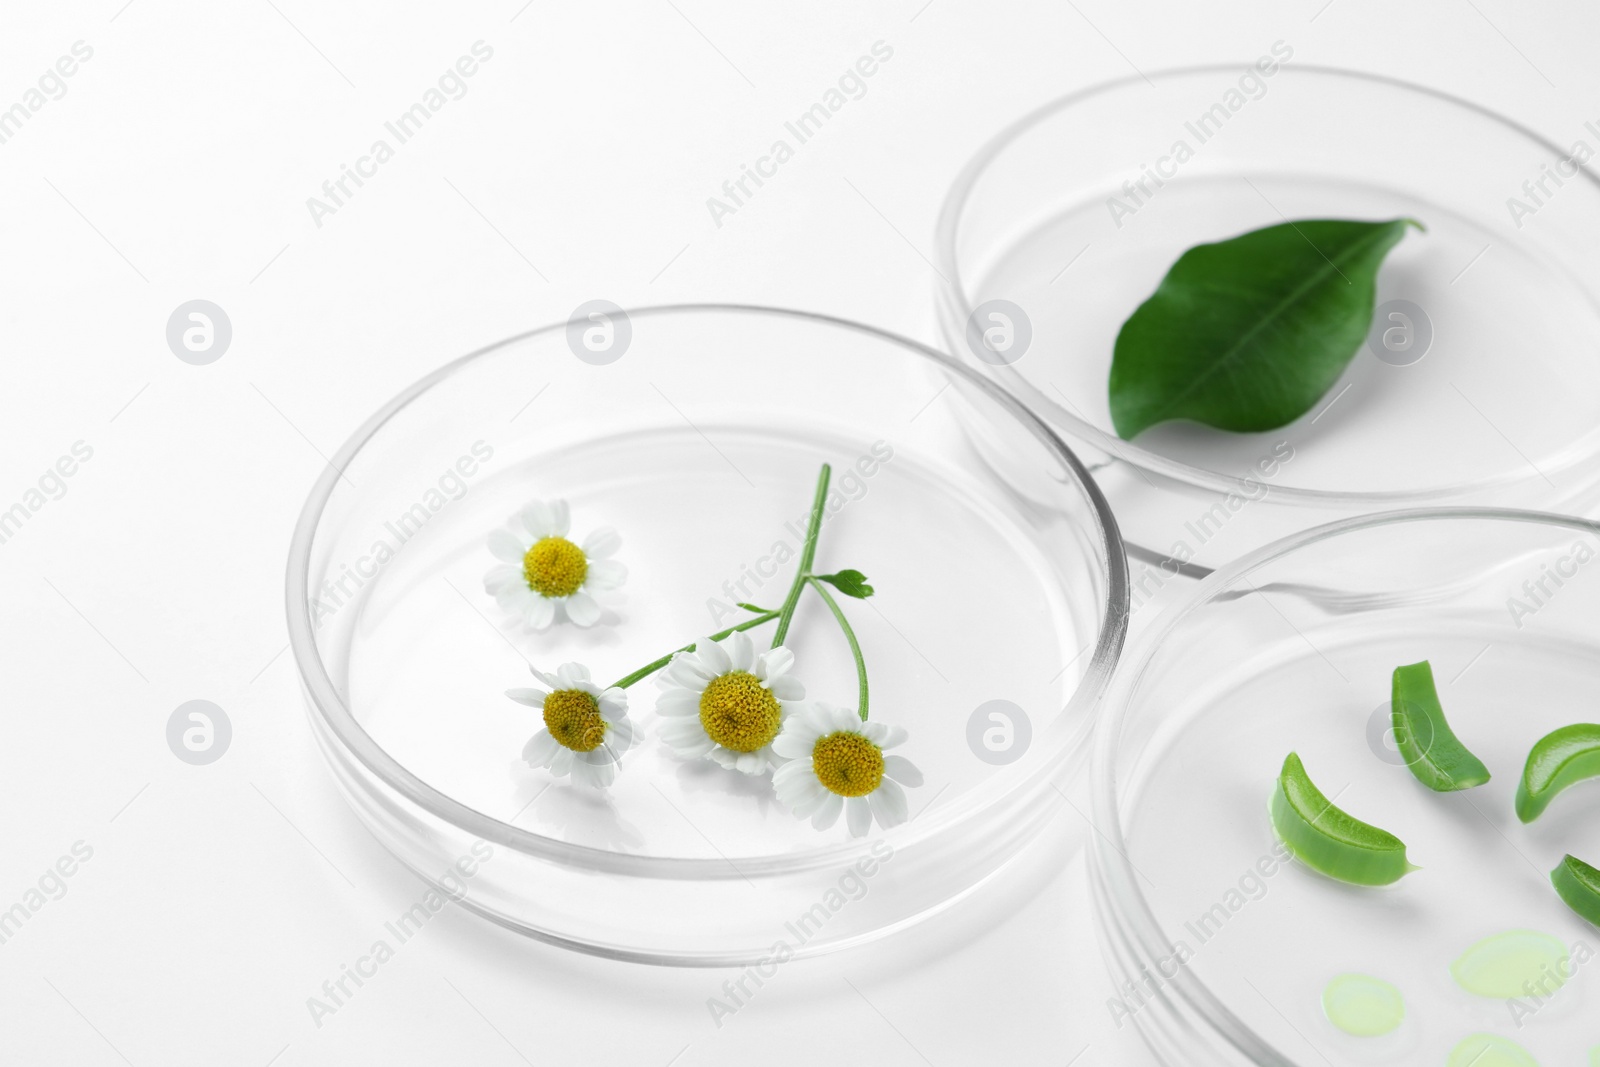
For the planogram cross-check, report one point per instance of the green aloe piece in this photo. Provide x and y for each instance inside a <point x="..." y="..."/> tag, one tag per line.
<point x="1578" y="884"/>
<point x="1247" y="334"/>
<point x="1558" y="760"/>
<point x="1329" y="840"/>
<point x="1431" y="749"/>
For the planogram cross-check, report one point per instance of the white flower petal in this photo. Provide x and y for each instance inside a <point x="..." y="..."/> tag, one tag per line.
<point x="515" y="599"/>
<point x="847" y="720"/>
<point x="787" y="687"/>
<point x="572" y="675"/>
<point x="503" y="574"/>
<point x="792" y="790"/>
<point x="725" y="757"/>
<point x="789" y="772"/>
<point x="741" y="652"/>
<point x="792" y="793"/>
<point x="896" y="735"/>
<point x="561" y="518"/>
<point x="602" y="544"/>
<point x="604" y="575"/>
<point x="614" y="703"/>
<point x="794" y="744"/>
<point x="713" y="657"/>
<point x="888" y="804"/>
<point x="551" y="681"/>
<point x="858" y="814"/>
<point x="539" y="612"/>
<point x="687" y="671"/>
<point x="813" y="797"/>
<point x="902" y="770"/>
<point x="594" y="769"/>
<point x="704" y="747"/>
<point x="505" y="547"/>
<point x="541" y="749"/>
<point x="561" y="765"/>
<point x="775" y="662"/>
<point x="752" y="762"/>
<point x="534" y="698"/>
<point x="582" y="609"/>
<point x="801" y="726"/>
<point x="580" y="772"/>
<point x="827" y="812"/>
<point x="681" y="733"/>
<point x="538" y="520"/>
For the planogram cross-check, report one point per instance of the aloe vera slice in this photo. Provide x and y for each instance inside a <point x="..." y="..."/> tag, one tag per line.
<point x="1558" y="760"/>
<point x="1437" y="758"/>
<point x="1327" y="839"/>
<point x="1578" y="884"/>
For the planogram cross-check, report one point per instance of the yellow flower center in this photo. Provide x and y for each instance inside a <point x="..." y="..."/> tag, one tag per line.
<point x="573" y="719"/>
<point x="737" y="713"/>
<point x="847" y="764"/>
<point x="554" y="567"/>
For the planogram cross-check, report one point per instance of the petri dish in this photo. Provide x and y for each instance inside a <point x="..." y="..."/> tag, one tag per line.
<point x="1220" y="950"/>
<point x="1478" y="386"/>
<point x="697" y="432"/>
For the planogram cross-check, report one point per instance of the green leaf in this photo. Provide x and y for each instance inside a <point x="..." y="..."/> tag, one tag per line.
<point x="1248" y="334"/>
<point x="849" y="582"/>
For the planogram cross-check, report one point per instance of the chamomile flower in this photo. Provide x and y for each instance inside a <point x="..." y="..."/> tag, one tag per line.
<point x="542" y="575"/>
<point x="727" y="701"/>
<point x="838" y="764"/>
<point x="586" y="728"/>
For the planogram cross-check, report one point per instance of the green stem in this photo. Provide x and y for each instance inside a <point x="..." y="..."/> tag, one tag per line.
<point x="807" y="554"/>
<point x="650" y="668"/>
<point x="855" y="646"/>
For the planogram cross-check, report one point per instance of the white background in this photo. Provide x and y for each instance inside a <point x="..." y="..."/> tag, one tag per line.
<point x="577" y="166"/>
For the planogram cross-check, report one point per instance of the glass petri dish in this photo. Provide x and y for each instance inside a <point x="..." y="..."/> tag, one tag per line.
<point x="1485" y="391"/>
<point x="700" y="439"/>
<point x="1219" y="952"/>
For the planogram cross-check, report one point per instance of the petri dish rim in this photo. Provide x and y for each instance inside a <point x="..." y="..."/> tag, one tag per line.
<point x="956" y="307"/>
<point x="336" y="716"/>
<point x="1128" y="914"/>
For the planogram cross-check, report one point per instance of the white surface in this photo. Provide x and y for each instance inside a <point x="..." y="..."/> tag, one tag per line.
<point x="177" y="166"/>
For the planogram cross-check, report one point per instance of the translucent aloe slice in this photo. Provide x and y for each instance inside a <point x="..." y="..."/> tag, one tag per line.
<point x="1558" y="760"/>
<point x="1328" y="839"/>
<point x="1437" y="758"/>
<point x="1490" y="1050"/>
<point x="1578" y="884"/>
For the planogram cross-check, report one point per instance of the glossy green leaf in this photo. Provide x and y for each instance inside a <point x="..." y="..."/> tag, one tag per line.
<point x="1437" y="758"/>
<point x="849" y="582"/>
<point x="1249" y="333"/>
<point x="1327" y="838"/>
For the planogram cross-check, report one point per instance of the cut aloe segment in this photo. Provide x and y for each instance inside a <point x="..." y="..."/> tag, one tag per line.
<point x="1578" y="884"/>
<point x="1329" y="840"/>
<point x="1557" y="761"/>
<point x="1437" y="758"/>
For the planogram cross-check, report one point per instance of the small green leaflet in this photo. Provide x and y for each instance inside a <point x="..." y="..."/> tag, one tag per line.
<point x="1247" y="334"/>
<point x="849" y="582"/>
